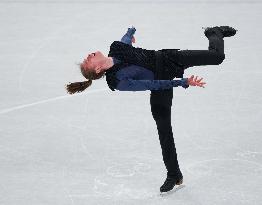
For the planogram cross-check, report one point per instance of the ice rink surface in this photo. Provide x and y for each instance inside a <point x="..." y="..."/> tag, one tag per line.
<point x="101" y="147"/>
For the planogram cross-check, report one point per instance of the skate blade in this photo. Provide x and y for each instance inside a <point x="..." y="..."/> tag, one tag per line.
<point x="175" y="189"/>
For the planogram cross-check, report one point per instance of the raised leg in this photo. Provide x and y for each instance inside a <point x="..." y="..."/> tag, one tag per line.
<point x="213" y="56"/>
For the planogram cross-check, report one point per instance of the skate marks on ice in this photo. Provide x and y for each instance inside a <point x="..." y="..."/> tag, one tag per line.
<point x="127" y="180"/>
<point x="120" y="188"/>
<point x="231" y="181"/>
<point x="130" y="180"/>
<point x="224" y="167"/>
<point x="7" y="110"/>
<point x="132" y="188"/>
<point x="250" y="154"/>
<point x="42" y="42"/>
<point x="127" y="169"/>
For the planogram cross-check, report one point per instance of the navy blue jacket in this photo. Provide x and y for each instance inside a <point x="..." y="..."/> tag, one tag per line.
<point x="137" y="78"/>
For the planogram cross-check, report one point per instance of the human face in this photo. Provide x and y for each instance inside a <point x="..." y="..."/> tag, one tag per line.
<point x="93" y="61"/>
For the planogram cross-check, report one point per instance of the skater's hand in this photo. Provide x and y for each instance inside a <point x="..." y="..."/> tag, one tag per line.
<point x="129" y="38"/>
<point x="131" y="31"/>
<point x="195" y="82"/>
<point x="133" y="39"/>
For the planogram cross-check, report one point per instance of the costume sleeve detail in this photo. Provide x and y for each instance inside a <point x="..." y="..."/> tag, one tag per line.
<point x="127" y="38"/>
<point x="142" y="85"/>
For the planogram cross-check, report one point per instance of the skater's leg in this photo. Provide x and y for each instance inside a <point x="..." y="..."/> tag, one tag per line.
<point x="213" y="56"/>
<point x="161" y="102"/>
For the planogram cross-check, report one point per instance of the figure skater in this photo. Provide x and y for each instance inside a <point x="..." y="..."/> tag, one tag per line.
<point x="136" y="69"/>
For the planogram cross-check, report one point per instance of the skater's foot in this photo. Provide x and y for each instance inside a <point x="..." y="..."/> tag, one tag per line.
<point x="226" y="31"/>
<point x="169" y="183"/>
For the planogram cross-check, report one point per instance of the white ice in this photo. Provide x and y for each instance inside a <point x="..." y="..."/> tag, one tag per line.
<point x="101" y="147"/>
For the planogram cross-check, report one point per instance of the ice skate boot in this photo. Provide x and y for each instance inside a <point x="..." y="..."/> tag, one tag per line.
<point x="226" y="31"/>
<point x="169" y="183"/>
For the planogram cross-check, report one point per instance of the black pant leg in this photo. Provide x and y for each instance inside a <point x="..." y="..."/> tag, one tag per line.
<point x="161" y="102"/>
<point x="213" y="56"/>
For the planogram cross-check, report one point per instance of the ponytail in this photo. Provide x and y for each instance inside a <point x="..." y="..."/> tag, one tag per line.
<point x="72" y="88"/>
<point x="90" y="75"/>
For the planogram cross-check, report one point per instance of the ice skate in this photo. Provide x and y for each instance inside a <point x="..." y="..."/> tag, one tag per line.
<point x="226" y="31"/>
<point x="170" y="183"/>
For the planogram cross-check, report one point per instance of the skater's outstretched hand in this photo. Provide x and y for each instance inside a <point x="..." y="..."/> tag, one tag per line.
<point x="133" y="39"/>
<point x="132" y="31"/>
<point x="193" y="81"/>
<point x="129" y="38"/>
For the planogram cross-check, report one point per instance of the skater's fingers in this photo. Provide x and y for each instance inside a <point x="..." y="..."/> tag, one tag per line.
<point x="198" y="85"/>
<point x="195" y="78"/>
<point x="201" y="85"/>
<point x="189" y="79"/>
<point x="200" y="80"/>
<point x="133" y="39"/>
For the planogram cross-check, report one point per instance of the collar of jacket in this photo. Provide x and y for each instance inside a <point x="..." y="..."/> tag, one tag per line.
<point x="111" y="78"/>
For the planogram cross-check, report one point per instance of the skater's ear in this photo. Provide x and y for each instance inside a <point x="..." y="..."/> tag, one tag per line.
<point x="92" y="74"/>
<point x="97" y="69"/>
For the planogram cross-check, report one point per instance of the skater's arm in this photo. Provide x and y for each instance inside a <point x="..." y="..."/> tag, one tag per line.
<point x="142" y="85"/>
<point x="128" y="38"/>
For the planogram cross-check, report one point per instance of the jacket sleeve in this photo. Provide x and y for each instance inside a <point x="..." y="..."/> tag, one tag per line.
<point x="142" y="85"/>
<point x="127" y="39"/>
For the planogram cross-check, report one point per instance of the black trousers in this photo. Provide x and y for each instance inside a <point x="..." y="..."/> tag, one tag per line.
<point x="161" y="101"/>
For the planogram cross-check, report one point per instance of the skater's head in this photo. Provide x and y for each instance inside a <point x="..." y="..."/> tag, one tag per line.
<point x="92" y="68"/>
<point x="94" y="62"/>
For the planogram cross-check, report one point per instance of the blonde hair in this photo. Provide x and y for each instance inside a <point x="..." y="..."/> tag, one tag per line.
<point x="90" y="75"/>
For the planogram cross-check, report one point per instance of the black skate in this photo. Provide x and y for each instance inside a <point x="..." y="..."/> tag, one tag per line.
<point x="226" y="31"/>
<point x="170" y="183"/>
